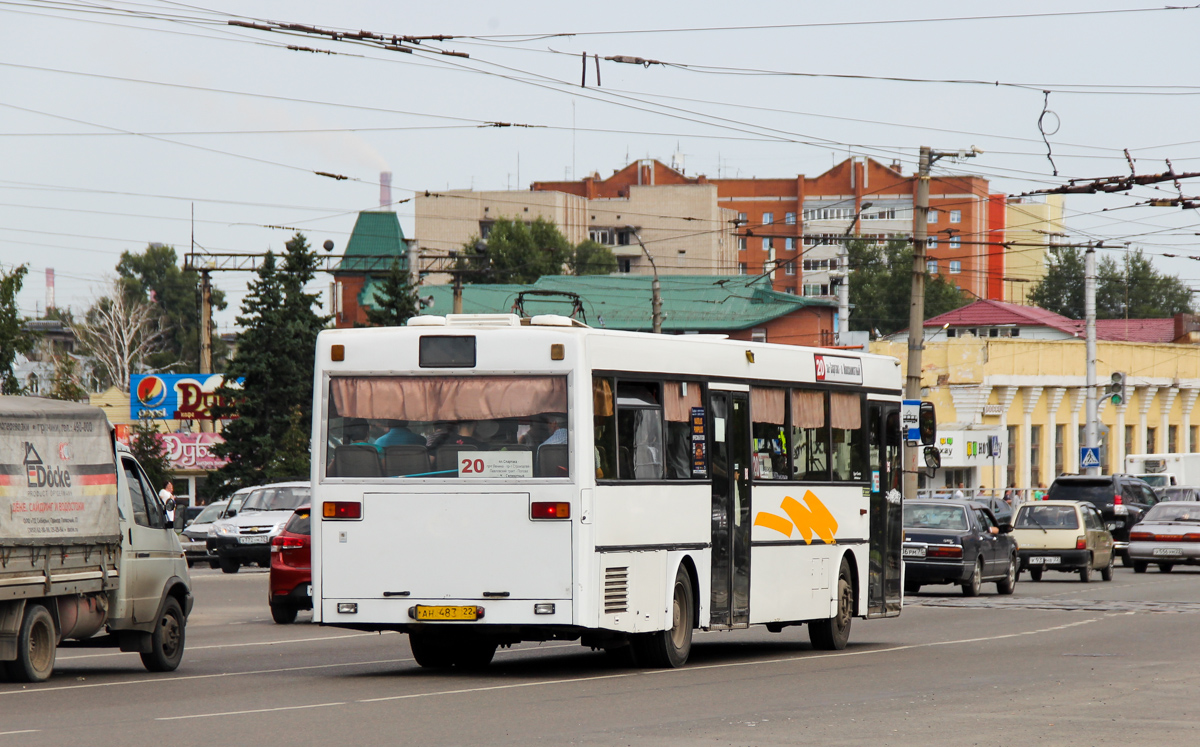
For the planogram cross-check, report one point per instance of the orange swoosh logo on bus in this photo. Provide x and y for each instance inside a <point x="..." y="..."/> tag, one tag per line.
<point x="810" y="519"/>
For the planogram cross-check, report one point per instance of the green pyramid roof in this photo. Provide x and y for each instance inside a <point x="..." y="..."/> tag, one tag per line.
<point x="377" y="240"/>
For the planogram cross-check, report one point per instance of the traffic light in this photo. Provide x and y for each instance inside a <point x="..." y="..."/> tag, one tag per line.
<point x="1116" y="390"/>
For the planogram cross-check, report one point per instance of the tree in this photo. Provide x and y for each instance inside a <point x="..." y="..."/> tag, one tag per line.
<point x="15" y="338"/>
<point x="120" y="333"/>
<point x="1129" y="287"/>
<point x="267" y="438"/>
<point x="395" y="301"/>
<point x="881" y="287"/>
<point x="517" y="252"/>
<point x="592" y="258"/>
<point x="147" y="447"/>
<point x="65" y="384"/>
<point x="154" y="276"/>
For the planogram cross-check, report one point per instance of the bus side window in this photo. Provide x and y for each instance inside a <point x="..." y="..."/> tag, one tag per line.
<point x="809" y="443"/>
<point x="681" y="398"/>
<point x="768" y="433"/>
<point x="604" y="423"/>
<point x="845" y="417"/>
<point x="639" y="431"/>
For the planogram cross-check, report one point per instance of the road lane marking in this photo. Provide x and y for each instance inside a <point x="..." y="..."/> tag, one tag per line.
<point x="233" y="645"/>
<point x="22" y="731"/>
<point x="242" y="713"/>
<point x="513" y="686"/>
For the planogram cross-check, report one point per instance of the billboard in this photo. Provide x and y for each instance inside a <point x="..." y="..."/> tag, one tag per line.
<point x="175" y="396"/>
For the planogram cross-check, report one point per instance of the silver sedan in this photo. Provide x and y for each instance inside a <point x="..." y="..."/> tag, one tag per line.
<point x="1168" y="536"/>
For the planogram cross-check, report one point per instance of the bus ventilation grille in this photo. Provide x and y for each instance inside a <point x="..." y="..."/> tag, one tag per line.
<point x="616" y="590"/>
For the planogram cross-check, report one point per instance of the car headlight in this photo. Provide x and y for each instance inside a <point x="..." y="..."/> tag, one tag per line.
<point x="226" y="530"/>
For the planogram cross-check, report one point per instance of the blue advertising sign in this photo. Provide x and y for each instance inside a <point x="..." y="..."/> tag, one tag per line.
<point x="175" y="396"/>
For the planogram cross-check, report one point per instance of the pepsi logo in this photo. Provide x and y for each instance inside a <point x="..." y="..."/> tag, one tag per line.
<point x="151" y="391"/>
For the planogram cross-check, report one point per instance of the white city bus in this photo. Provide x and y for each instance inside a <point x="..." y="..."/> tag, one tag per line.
<point x="480" y="480"/>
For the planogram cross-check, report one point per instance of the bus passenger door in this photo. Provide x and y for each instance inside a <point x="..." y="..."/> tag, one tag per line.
<point x="730" y="460"/>
<point x="887" y="530"/>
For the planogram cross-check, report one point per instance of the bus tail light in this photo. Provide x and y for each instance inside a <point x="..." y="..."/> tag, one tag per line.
<point x="944" y="551"/>
<point x="1081" y="542"/>
<point x="550" y="510"/>
<point x="341" y="510"/>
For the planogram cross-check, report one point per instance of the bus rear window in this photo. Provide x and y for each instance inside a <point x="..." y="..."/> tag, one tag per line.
<point x="447" y="426"/>
<point x="447" y="351"/>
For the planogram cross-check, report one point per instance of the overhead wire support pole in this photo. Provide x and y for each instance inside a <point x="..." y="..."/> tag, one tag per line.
<point x="1091" y="430"/>
<point x="656" y="314"/>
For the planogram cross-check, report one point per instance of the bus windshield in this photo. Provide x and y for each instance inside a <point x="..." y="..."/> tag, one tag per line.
<point x="447" y="426"/>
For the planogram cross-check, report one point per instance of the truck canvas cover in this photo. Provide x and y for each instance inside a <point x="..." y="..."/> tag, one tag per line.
<point x="58" y="479"/>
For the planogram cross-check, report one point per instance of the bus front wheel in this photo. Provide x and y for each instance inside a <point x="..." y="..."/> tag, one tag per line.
<point x="834" y="633"/>
<point x="670" y="648"/>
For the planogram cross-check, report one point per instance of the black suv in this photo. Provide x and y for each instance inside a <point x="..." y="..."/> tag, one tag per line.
<point x="1121" y="499"/>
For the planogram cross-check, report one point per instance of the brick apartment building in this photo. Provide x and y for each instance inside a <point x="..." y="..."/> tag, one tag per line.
<point x="794" y="225"/>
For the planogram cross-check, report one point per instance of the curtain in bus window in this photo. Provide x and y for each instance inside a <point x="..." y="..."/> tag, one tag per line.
<point x="604" y="424"/>
<point x="678" y="413"/>
<point x="810" y="436"/>
<point x="845" y="418"/>
<point x="769" y="442"/>
<point x="448" y="398"/>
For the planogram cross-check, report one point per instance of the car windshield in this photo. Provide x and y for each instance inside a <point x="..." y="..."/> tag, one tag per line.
<point x="276" y="499"/>
<point x="1047" y="517"/>
<point x="210" y="513"/>
<point x="924" y="516"/>
<point x="1173" y="512"/>
<point x="1098" y="492"/>
<point x="1177" y="494"/>
<point x="235" y="503"/>
<point x="1158" y="481"/>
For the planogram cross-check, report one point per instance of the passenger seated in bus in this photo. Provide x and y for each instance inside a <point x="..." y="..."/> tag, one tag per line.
<point x="398" y="434"/>
<point x="556" y="424"/>
<point x="356" y="431"/>
<point x="461" y="434"/>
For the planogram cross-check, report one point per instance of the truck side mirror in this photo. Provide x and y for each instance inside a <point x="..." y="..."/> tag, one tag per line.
<point x="927" y="423"/>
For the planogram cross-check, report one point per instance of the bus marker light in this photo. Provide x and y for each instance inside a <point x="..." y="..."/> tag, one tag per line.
<point x="347" y="608"/>
<point x="557" y="352"/>
<point x="341" y="510"/>
<point x="550" y="510"/>
<point x="337" y="353"/>
<point x="543" y="608"/>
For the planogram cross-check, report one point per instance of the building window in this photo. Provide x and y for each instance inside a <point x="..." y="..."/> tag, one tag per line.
<point x="1035" y="454"/>
<point x="789" y="218"/>
<point x="955" y="268"/>
<point x="933" y="217"/>
<point x="931" y="267"/>
<point x="1128" y="440"/>
<point x="624" y="265"/>
<point x="766" y="243"/>
<point x="815" y="289"/>
<point x="790" y="291"/>
<point x="1012" y="455"/>
<point x="1151" y="440"/>
<point x="758" y="334"/>
<point x="1060" y="435"/>
<point x="956" y="216"/>
<point x="741" y="217"/>
<point x="1194" y="438"/>
<point x="829" y="213"/>
<point x="931" y="242"/>
<point x="768" y="219"/>
<point x="1173" y="439"/>
<point x="741" y="268"/>
<point x="789" y="268"/>
<point x="741" y="243"/>
<point x="956" y="242"/>
<point x="789" y="244"/>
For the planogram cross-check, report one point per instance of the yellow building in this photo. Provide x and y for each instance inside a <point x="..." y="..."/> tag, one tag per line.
<point x="1033" y="226"/>
<point x="1031" y="394"/>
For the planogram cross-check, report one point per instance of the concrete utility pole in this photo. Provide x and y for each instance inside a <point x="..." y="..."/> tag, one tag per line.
<point x="916" y="311"/>
<point x="844" y="282"/>
<point x="1089" y="313"/>
<point x="206" y="367"/>
<point x="655" y="288"/>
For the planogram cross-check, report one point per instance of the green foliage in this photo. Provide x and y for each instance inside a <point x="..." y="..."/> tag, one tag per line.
<point x="517" y="252"/>
<point x="592" y="258"/>
<point x="14" y="338"/>
<point x="1129" y="287"/>
<point x="268" y="439"/>
<point x="881" y="288"/>
<point x="147" y="447"/>
<point x="395" y="300"/>
<point x="154" y="275"/>
<point x="65" y="384"/>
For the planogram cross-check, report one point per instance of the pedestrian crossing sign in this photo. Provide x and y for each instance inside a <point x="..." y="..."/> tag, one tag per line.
<point x="1089" y="457"/>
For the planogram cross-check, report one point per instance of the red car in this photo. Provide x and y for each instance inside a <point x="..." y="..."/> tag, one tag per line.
<point x="291" y="569"/>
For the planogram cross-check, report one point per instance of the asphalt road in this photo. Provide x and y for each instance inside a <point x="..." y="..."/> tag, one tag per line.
<point x="1058" y="663"/>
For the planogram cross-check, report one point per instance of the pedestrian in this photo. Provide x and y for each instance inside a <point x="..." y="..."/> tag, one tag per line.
<point x="958" y="494"/>
<point x="1039" y="493"/>
<point x="1010" y="494"/>
<point x="167" y="496"/>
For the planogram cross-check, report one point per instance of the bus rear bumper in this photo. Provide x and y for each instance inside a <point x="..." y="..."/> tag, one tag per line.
<point x="399" y="613"/>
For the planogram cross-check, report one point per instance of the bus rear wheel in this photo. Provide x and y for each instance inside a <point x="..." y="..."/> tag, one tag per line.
<point x="431" y="651"/>
<point x="833" y="634"/>
<point x="670" y="648"/>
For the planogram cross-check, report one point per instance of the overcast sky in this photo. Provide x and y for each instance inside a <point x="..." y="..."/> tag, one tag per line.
<point x="118" y="119"/>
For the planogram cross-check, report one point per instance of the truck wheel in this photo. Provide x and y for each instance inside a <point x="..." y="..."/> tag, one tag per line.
<point x="284" y="614"/>
<point x="833" y="634"/>
<point x="229" y="565"/>
<point x="670" y="648"/>
<point x="166" y="642"/>
<point x="37" y="644"/>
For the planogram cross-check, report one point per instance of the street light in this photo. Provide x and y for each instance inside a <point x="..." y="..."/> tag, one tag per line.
<point x="655" y="287"/>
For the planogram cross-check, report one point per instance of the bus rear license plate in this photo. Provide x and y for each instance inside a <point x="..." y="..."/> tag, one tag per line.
<point x="914" y="552"/>
<point x="447" y="613"/>
<point x="1045" y="560"/>
<point x="1168" y="551"/>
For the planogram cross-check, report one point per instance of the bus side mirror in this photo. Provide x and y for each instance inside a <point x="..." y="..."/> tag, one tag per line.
<point x="933" y="460"/>
<point x="927" y="423"/>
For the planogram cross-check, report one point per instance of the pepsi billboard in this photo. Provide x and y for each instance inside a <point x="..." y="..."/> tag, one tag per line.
<point x="175" y="396"/>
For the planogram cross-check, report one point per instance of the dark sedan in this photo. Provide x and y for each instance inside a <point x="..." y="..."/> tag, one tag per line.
<point x="957" y="542"/>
